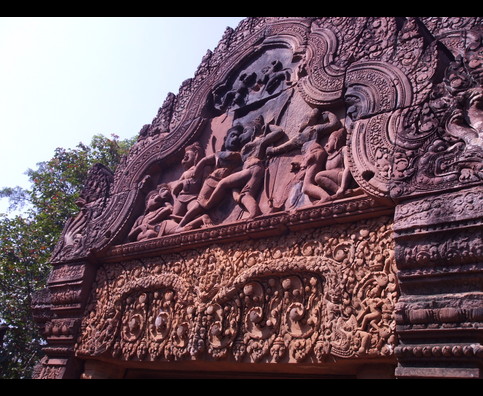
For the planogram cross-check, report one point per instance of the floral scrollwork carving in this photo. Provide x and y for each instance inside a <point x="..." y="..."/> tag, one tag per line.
<point x="307" y="296"/>
<point x="151" y="327"/>
<point x="277" y="315"/>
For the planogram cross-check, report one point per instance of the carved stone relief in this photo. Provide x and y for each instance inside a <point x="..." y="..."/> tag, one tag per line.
<point x="92" y="202"/>
<point x="439" y="251"/>
<point x="439" y="144"/>
<point x="262" y="108"/>
<point x="261" y="215"/>
<point x="315" y="295"/>
<point x="289" y="119"/>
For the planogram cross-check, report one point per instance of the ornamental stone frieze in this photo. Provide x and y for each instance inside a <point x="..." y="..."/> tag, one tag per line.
<point x="310" y="198"/>
<point x="310" y="295"/>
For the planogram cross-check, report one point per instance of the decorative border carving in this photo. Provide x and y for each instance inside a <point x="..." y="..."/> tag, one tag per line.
<point x="263" y="226"/>
<point x="310" y="295"/>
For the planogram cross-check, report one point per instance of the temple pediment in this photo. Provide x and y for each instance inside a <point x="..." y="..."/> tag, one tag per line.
<point x="260" y="216"/>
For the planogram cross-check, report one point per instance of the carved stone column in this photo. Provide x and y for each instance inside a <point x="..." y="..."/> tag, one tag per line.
<point x="58" y="309"/>
<point x="439" y="314"/>
<point x="438" y="221"/>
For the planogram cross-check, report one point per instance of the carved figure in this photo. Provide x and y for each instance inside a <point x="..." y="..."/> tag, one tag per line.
<point x="296" y="197"/>
<point x="265" y="81"/>
<point x="335" y="179"/>
<point x="223" y="164"/>
<point x="326" y="173"/>
<point x="156" y="219"/>
<point x="466" y="120"/>
<point x="186" y="189"/>
<point x="314" y="157"/>
<point x="451" y="122"/>
<point x="315" y="125"/>
<point x="237" y="95"/>
<point x="272" y="76"/>
<point x="91" y="203"/>
<point x="244" y="184"/>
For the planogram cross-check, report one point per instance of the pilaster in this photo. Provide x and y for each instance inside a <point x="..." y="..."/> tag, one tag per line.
<point x="58" y="310"/>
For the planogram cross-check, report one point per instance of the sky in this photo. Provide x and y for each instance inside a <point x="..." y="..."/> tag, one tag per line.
<point x="65" y="79"/>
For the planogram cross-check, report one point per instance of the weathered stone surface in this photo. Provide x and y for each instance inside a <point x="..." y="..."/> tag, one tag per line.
<point x="311" y="196"/>
<point x="303" y="296"/>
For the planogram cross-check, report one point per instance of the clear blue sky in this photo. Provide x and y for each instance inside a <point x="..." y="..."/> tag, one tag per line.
<point x="62" y="80"/>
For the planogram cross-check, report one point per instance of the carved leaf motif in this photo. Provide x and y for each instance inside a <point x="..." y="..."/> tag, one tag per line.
<point x="312" y="295"/>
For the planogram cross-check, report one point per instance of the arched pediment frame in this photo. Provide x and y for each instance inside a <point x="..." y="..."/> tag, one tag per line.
<point x="181" y="120"/>
<point x="281" y="70"/>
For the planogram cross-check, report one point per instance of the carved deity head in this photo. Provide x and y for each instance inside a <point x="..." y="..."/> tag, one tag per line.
<point x="153" y="201"/>
<point x="474" y="55"/>
<point x="336" y="140"/>
<point x="232" y="140"/>
<point x="164" y="192"/>
<point x="251" y="130"/>
<point x="192" y="154"/>
<point x="158" y="197"/>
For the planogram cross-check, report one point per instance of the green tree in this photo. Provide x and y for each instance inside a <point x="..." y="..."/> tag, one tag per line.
<point x="27" y="240"/>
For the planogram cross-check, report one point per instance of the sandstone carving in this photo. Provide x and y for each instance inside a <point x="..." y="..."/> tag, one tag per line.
<point x="311" y="295"/>
<point x="311" y="195"/>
